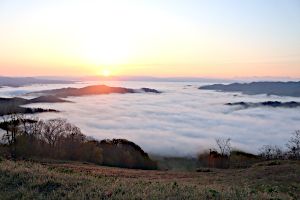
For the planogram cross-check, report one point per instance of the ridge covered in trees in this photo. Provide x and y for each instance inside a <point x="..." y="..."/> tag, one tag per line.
<point x="27" y="138"/>
<point x="93" y="90"/>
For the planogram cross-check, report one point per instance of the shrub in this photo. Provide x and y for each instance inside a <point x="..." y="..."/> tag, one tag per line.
<point x="217" y="159"/>
<point x="293" y="146"/>
<point x="214" y="159"/>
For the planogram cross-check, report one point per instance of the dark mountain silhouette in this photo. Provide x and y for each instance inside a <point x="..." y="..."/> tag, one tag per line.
<point x="15" y="100"/>
<point x="22" y="110"/>
<point x="269" y="88"/>
<point x="14" y="105"/>
<point x="274" y="104"/>
<point x="47" y="99"/>
<point x="93" y="90"/>
<point x="21" y="81"/>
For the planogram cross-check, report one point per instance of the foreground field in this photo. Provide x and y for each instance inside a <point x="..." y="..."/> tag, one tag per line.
<point x="59" y="180"/>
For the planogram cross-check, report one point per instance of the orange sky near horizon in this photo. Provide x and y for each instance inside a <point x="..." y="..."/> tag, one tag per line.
<point x="151" y="38"/>
<point x="163" y="71"/>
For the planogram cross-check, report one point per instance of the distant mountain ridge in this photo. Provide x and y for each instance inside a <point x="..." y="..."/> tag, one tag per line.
<point x="93" y="90"/>
<point x="269" y="88"/>
<point x="21" y="81"/>
<point x="138" y="79"/>
<point x="15" y="105"/>
<point x="273" y="104"/>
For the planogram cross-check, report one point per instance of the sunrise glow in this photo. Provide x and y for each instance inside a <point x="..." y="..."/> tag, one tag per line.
<point x="195" y="38"/>
<point x="149" y="99"/>
<point x="106" y="73"/>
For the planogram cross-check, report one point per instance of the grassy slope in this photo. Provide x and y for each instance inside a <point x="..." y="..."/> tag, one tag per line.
<point x="30" y="180"/>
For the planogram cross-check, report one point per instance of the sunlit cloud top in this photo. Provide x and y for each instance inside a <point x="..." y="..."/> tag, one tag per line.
<point x="157" y="38"/>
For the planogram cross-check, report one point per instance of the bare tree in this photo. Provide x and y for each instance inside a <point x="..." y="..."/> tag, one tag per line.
<point x="224" y="146"/>
<point x="11" y="125"/>
<point x="270" y="152"/>
<point x="294" y="145"/>
<point x="52" y="130"/>
<point x="24" y="123"/>
<point x="4" y="126"/>
<point x="35" y="127"/>
<point x="8" y="121"/>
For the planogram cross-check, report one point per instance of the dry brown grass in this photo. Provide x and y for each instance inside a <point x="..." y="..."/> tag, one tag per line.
<point x="72" y="180"/>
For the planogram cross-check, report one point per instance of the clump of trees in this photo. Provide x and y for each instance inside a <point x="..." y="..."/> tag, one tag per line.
<point x="57" y="139"/>
<point x="292" y="152"/>
<point x="125" y="153"/>
<point x="224" y="156"/>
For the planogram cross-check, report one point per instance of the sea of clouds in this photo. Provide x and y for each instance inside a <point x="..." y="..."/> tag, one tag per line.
<point x="181" y="121"/>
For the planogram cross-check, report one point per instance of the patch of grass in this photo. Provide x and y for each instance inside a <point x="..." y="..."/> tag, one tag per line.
<point x="269" y="163"/>
<point x="176" y="163"/>
<point x="213" y="194"/>
<point x="31" y="180"/>
<point x="48" y="186"/>
<point x="276" y="162"/>
<point x="64" y="170"/>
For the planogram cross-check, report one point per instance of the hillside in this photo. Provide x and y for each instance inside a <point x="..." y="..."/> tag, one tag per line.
<point x="72" y="180"/>
<point x="269" y="88"/>
<point x="14" y="105"/>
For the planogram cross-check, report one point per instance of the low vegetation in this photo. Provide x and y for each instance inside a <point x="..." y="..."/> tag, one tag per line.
<point x="226" y="157"/>
<point x="73" y="180"/>
<point x="292" y="152"/>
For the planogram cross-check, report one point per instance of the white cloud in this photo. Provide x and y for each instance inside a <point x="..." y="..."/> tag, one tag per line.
<point x="179" y="121"/>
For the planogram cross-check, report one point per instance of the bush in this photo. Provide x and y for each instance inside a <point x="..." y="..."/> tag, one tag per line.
<point x="217" y="159"/>
<point x="214" y="159"/>
<point x="293" y="146"/>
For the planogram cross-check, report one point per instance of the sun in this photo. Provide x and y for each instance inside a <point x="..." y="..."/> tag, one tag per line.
<point x="106" y="73"/>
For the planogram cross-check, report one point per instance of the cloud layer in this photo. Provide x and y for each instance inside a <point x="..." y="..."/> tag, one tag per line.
<point x="181" y="121"/>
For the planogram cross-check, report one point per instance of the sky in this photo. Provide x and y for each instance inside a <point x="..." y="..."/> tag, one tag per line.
<point x="198" y="38"/>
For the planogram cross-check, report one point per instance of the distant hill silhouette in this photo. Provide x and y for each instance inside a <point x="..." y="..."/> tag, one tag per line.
<point x="274" y="104"/>
<point x="93" y="90"/>
<point x="21" y="81"/>
<point x="47" y="99"/>
<point x="269" y="88"/>
<point x="14" y="105"/>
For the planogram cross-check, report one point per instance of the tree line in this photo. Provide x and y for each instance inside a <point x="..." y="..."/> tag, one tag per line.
<point x="26" y="138"/>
